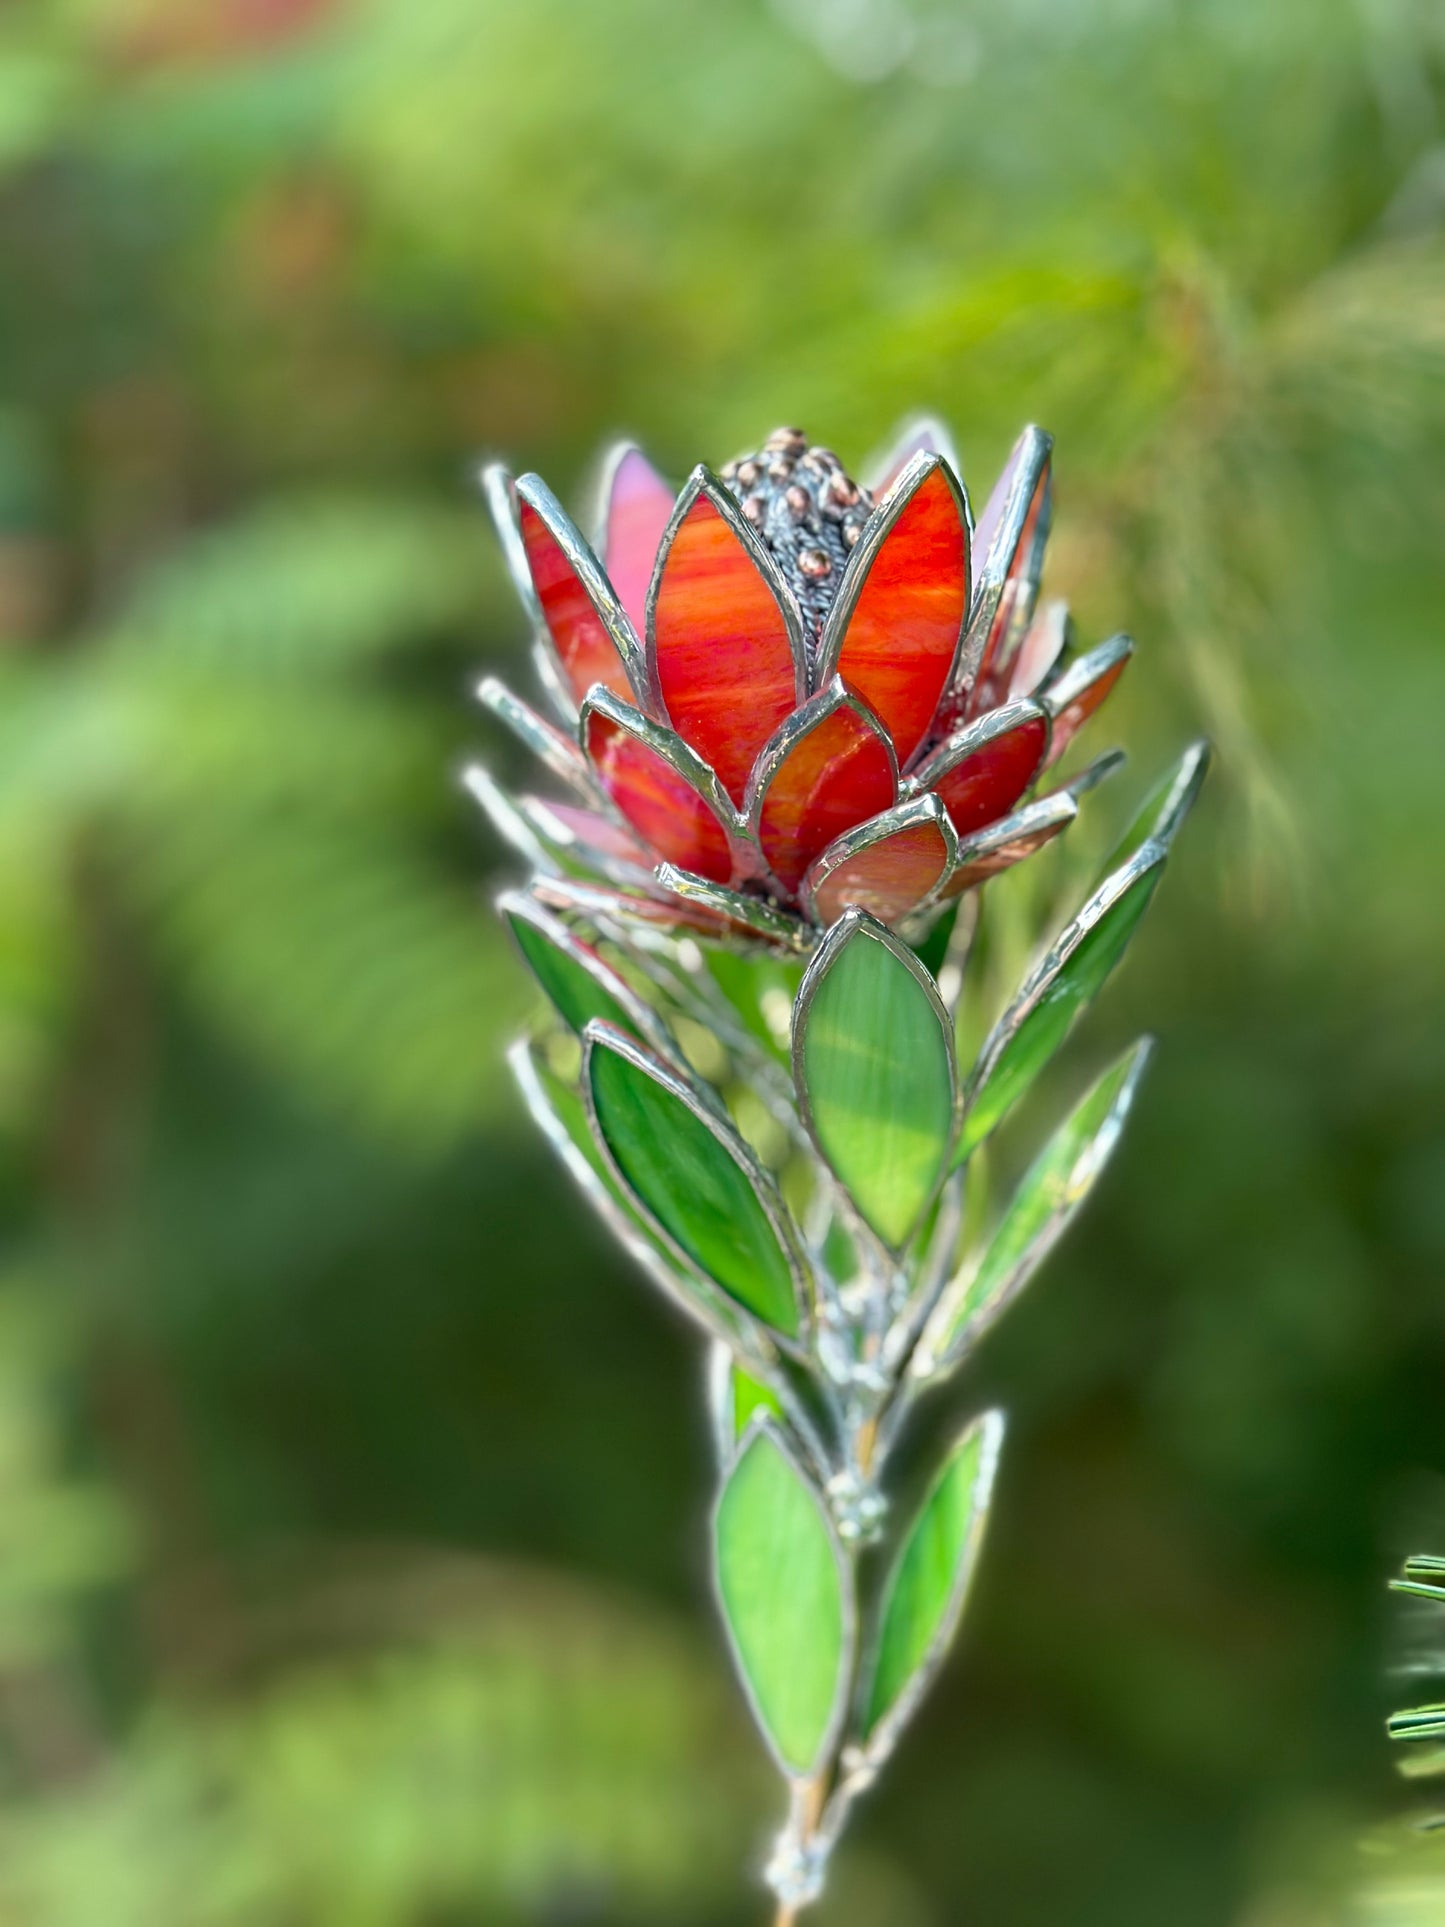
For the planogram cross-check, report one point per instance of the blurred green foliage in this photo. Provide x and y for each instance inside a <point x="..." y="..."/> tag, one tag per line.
<point x="292" y="1308"/>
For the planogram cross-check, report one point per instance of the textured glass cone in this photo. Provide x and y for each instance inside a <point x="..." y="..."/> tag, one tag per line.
<point x="785" y="718"/>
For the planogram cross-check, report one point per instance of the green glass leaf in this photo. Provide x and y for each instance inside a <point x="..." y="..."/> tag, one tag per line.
<point x="1063" y="985"/>
<point x="932" y="950"/>
<point x="1423" y="1576"/>
<point x="574" y="978"/>
<point x="1417" y="1723"/>
<point x="558" y="1108"/>
<point x="923" y="1599"/>
<point x="840" y="1253"/>
<point x="1045" y="1204"/>
<point x="1167" y="803"/>
<point x="749" y="1397"/>
<point x="693" y="1175"/>
<point x="785" y="1597"/>
<point x="873" y="1061"/>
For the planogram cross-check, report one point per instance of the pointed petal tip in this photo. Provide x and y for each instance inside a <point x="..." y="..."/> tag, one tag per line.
<point x="725" y="640"/>
<point x="636" y="507"/>
<point x="894" y="633"/>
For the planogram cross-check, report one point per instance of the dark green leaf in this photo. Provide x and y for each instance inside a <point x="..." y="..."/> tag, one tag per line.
<point x="693" y="1175"/>
<point x="872" y="1053"/>
<point x="578" y="983"/>
<point x="932" y="950"/>
<point x="785" y="1596"/>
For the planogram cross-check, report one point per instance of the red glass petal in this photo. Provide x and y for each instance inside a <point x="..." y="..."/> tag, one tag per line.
<point x="836" y="776"/>
<point x="979" y="869"/>
<point x="725" y="656"/>
<point x="585" y="650"/>
<point x="639" y="506"/>
<point x="1071" y="718"/>
<point x="672" y="819"/>
<point x="904" y="618"/>
<point x="986" y="784"/>
<point x="888" y="878"/>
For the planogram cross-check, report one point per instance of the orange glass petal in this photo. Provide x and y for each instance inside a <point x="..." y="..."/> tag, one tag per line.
<point x="903" y="632"/>
<point x="639" y="505"/>
<point x="1071" y="720"/>
<point x="836" y="777"/>
<point x="586" y="652"/>
<point x="1003" y="858"/>
<point x="725" y="665"/>
<point x="987" y="784"/>
<point x="667" y="813"/>
<point x="889" y="878"/>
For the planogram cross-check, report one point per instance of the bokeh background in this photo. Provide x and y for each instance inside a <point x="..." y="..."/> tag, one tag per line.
<point x="351" y="1492"/>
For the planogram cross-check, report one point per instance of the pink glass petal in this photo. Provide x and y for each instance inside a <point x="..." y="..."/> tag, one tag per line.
<point x="920" y="436"/>
<point x="674" y="822"/>
<point x="902" y="634"/>
<point x="1040" y="649"/>
<point x="1071" y="719"/>
<point x="987" y="784"/>
<point x="639" y="505"/>
<point x="586" y="652"/>
<point x="1016" y="571"/>
<point x="980" y="869"/>
<point x="599" y="833"/>
<point x="659" y="912"/>
<point x="888" y="879"/>
<point x="836" y="777"/>
<point x="726" y="669"/>
<point x="1022" y="455"/>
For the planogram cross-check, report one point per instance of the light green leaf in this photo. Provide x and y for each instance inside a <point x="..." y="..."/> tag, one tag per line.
<point x="693" y="1175"/>
<point x="924" y="1597"/>
<point x="1167" y="803"/>
<point x="1043" y="1207"/>
<point x="1064" y="984"/>
<point x="873" y="1061"/>
<point x="748" y="1397"/>
<point x="785" y="1597"/>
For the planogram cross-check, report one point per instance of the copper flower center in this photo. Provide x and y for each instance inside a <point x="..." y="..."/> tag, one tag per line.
<point x="808" y="511"/>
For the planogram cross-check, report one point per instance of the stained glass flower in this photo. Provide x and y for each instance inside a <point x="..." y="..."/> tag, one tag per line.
<point x="782" y="693"/>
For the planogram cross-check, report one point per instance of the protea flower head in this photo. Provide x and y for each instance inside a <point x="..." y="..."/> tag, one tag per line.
<point x="782" y="692"/>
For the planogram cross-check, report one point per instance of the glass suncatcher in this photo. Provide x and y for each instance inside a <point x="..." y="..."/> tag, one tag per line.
<point x="796" y="723"/>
